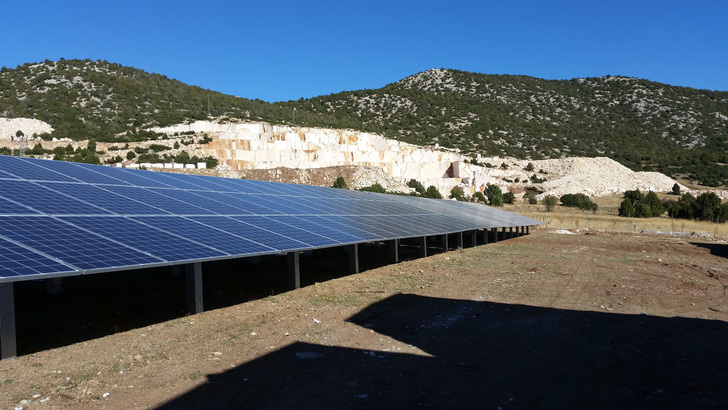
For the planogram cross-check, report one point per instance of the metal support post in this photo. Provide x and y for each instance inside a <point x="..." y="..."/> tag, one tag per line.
<point x="394" y="251"/>
<point x="486" y="232"/>
<point x="474" y="238"/>
<point x="460" y="240"/>
<point x="353" y="258"/>
<point x="445" y="245"/>
<point x="193" y="277"/>
<point x="8" y="348"/>
<point x="294" y="270"/>
<point x="423" y="247"/>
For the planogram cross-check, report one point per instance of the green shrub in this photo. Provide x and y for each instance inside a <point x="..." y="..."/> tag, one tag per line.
<point x="433" y="192"/>
<point x="419" y="188"/>
<point x="509" y="198"/>
<point x="580" y="201"/>
<point x="374" y="188"/>
<point x="457" y="193"/>
<point x="340" y="183"/>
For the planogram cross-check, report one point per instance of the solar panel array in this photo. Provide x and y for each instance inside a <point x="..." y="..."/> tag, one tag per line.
<point x="60" y="218"/>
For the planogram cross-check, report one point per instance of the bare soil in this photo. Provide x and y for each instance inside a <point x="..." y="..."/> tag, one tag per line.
<point x="540" y="321"/>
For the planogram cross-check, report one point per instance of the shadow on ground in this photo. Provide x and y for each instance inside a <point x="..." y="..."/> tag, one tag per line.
<point x="717" y="249"/>
<point x="489" y="355"/>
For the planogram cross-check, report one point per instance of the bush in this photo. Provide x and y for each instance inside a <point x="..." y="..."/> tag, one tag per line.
<point x="419" y="188"/>
<point x="340" y="183"/>
<point x="457" y="193"/>
<point x="433" y="192"/>
<point x="550" y="201"/>
<point x="580" y="201"/>
<point x="211" y="162"/>
<point x="493" y="192"/>
<point x="374" y="188"/>
<point x="643" y="206"/>
<point x="509" y="198"/>
<point x="481" y="198"/>
<point x="626" y="208"/>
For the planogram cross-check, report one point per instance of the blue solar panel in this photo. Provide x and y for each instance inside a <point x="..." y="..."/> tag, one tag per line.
<point x="233" y="185"/>
<point x="282" y="205"/>
<point x="251" y="204"/>
<point x="308" y="223"/>
<point x="158" y="243"/>
<point x="156" y="200"/>
<point x="29" y="169"/>
<point x="133" y="177"/>
<point x="46" y="200"/>
<point x="201" y="199"/>
<point x="8" y="207"/>
<point x="173" y="180"/>
<point x="231" y="244"/>
<point x="16" y="261"/>
<point x="77" y="247"/>
<point x="80" y="172"/>
<point x="58" y="217"/>
<point x="274" y="224"/>
<point x="103" y="198"/>
<point x="253" y="233"/>
<point x="355" y="223"/>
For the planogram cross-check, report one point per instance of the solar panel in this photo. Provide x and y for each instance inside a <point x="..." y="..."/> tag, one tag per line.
<point x="46" y="200"/>
<point x="76" y="247"/>
<point x="65" y="218"/>
<point x="156" y="242"/>
<point x="232" y="244"/>
<point x="17" y="261"/>
<point x="23" y="168"/>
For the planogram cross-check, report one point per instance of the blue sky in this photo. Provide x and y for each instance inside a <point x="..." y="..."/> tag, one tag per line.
<point x="285" y="50"/>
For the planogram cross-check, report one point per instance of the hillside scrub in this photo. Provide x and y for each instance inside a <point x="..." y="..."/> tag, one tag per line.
<point x="644" y="125"/>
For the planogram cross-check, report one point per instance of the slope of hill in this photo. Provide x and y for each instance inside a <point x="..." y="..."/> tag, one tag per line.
<point x="641" y="124"/>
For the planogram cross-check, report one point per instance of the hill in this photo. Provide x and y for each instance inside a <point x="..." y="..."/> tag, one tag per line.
<point x="641" y="124"/>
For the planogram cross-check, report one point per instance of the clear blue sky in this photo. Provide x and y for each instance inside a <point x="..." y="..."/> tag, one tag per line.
<point x="285" y="50"/>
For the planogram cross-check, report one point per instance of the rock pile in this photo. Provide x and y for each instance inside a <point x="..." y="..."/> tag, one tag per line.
<point x="10" y="126"/>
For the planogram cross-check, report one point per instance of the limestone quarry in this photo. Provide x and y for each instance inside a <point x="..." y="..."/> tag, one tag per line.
<point x="318" y="155"/>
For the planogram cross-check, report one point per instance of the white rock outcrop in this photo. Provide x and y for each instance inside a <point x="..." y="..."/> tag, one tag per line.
<point x="10" y="126"/>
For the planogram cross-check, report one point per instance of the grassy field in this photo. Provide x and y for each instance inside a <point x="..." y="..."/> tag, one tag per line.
<point x="606" y="219"/>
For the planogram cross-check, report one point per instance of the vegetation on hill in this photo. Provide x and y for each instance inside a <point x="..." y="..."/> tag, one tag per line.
<point x="642" y="124"/>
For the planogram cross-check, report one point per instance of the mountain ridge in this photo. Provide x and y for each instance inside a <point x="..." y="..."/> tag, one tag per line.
<point x="644" y="125"/>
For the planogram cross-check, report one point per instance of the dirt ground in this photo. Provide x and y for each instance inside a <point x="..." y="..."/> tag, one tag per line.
<point x="541" y="321"/>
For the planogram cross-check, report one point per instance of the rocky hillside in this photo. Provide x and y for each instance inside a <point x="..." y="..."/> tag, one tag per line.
<point x="641" y="124"/>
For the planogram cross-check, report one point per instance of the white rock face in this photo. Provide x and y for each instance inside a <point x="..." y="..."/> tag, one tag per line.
<point x="263" y="146"/>
<point x="10" y="126"/>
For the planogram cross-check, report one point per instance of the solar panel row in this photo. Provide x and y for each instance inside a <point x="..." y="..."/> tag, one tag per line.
<point x="59" y="217"/>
